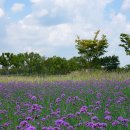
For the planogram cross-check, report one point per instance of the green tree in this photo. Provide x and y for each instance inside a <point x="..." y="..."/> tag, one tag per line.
<point x="76" y="63"/>
<point x="125" y="38"/>
<point x="18" y="63"/>
<point x="5" y="61"/>
<point x="56" y="65"/>
<point x="110" y="63"/>
<point x="91" y="49"/>
<point x="126" y="68"/>
<point x="32" y="63"/>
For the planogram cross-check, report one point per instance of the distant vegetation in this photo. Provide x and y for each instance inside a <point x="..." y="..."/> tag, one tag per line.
<point x="91" y="57"/>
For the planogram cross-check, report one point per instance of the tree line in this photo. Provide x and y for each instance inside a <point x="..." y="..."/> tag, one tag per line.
<point x="91" y="56"/>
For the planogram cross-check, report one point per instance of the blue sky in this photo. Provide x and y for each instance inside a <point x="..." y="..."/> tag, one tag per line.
<point x="49" y="27"/>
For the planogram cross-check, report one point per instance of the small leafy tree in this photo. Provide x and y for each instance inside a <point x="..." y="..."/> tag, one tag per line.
<point x="91" y="49"/>
<point x="125" y="38"/>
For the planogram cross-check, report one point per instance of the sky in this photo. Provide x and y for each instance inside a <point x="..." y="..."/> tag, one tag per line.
<point x="50" y="27"/>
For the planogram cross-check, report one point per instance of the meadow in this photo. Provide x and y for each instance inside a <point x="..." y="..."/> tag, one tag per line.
<point x="75" y="76"/>
<point x="77" y="101"/>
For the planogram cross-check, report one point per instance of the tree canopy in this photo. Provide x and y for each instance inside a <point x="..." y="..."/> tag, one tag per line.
<point x="125" y="38"/>
<point x="110" y="63"/>
<point x="91" y="49"/>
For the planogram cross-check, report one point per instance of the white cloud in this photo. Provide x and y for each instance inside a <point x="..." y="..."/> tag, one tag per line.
<point x="80" y="3"/>
<point x="59" y="33"/>
<point x="119" y="19"/>
<point x="2" y="3"/>
<point x="125" y="5"/>
<point x="37" y="2"/>
<point x="52" y="26"/>
<point x="29" y="20"/>
<point x="2" y="13"/>
<point x="17" y="7"/>
<point x="42" y="13"/>
<point x="29" y="32"/>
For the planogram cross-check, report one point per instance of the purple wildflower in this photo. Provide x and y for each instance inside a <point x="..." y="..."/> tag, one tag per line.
<point x="59" y="122"/>
<point x="107" y="112"/>
<point x="30" y="128"/>
<point x="70" y="128"/>
<point x="115" y="123"/>
<point x="29" y="118"/>
<point x="33" y="97"/>
<point x="94" y="118"/>
<point x="108" y="117"/>
<point x="23" y="123"/>
<point x="83" y="109"/>
<point x="98" y="102"/>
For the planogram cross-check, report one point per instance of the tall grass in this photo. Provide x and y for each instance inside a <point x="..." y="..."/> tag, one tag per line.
<point x="76" y="76"/>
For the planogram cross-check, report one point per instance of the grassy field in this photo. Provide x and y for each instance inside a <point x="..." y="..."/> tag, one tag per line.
<point x="78" y="101"/>
<point x="76" y="76"/>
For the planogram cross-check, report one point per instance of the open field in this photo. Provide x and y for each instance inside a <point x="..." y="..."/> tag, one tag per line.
<point x="76" y="76"/>
<point x="73" y="102"/>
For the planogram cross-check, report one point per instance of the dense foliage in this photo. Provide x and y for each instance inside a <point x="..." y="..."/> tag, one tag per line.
<point x="125" y="38"/>
<point x="110" y="62"/>
<point x="34" y="64"/>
